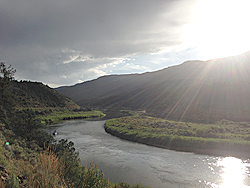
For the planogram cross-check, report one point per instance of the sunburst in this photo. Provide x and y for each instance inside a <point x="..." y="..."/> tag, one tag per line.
<point x="220" y="28"/>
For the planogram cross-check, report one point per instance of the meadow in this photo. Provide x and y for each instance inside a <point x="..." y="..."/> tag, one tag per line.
<point x="223" y="137"/>
<point x="52" y="116"/>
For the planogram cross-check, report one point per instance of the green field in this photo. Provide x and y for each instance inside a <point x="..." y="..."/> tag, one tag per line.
<point x="56" y="116"/>
<point x="223" y="136"/>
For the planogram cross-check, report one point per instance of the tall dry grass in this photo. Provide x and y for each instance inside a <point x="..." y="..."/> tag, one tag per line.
<point x="48" y="173"/>
<point x="2" y="184"/>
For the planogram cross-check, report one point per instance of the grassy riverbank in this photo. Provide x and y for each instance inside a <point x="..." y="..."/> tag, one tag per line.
<point x="224" y="137"/>
<point x="56" y="116"/>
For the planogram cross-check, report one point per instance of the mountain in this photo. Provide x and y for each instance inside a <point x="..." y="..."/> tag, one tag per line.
<point x="26" y="94"/>
<point x="195" y="91"/>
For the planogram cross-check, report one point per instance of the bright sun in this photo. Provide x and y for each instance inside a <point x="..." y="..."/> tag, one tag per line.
<point x="220" y="27"/>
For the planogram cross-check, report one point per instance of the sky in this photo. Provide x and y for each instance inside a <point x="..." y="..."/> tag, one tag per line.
<point x="61" y="42"/>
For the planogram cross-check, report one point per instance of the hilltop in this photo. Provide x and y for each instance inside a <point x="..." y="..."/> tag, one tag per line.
<point x="27" y="94"/>
<point x="194" y="91"/>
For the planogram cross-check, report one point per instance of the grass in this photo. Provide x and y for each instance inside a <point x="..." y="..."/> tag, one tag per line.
<point x="56" y="116"/>
<point x="46" y="173"/>
<point x="224" y="135"/>
<point x="49" y="171"/>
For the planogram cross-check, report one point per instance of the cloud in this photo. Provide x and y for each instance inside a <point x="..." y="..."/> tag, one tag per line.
<point x="63" y="42"/>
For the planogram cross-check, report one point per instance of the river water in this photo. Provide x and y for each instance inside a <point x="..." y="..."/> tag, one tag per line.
<point x="122" y="160"/>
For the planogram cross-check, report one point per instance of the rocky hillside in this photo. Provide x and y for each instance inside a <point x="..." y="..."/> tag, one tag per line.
<point x="195" y="91"/>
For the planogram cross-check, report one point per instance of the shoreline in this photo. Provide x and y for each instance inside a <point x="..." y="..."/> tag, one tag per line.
<point x="57" y="117"/>
<point x="202" y="151"/>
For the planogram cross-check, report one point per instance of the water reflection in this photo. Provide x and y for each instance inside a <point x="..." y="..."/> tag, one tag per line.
<point x="233" y="172"/>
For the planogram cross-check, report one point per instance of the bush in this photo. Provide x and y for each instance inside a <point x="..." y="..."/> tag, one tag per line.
<point x="12" y="182"/>
<point x="92" y="177"/>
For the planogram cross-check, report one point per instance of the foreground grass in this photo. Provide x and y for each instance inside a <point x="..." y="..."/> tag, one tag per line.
<point x="56" y="116"/>
<point x="224" y="136"/>
<point x="48" y="172"/>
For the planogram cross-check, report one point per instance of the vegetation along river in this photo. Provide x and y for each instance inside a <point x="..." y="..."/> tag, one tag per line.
<point x="121" y="160"/>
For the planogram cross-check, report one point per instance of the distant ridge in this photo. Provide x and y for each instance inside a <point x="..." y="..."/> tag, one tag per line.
<point x="196" y="91"/>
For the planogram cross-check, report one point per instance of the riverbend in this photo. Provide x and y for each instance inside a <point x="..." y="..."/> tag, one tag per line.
<point x="122" y="160"/>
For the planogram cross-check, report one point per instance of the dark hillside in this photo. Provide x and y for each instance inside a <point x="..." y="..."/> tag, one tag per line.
<point x="28" y="94"/>
<point x="195" y="91"/>
<point x="101" y="87"/>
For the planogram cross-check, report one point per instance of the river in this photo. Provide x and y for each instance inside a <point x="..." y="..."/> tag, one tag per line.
<point x="130" y="162"/>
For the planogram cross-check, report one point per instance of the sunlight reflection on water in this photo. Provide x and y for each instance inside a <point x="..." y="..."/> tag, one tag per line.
<point x="234" y="172"/>
<point x="132" y="163"/>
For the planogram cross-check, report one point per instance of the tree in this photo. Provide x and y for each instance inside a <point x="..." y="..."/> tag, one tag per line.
<point x="6" y="73"/>
<point x="6" y="76"/>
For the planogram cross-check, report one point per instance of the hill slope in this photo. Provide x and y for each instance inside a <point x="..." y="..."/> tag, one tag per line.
<point x="196" y="91"/>
<point x="28" y="94"/>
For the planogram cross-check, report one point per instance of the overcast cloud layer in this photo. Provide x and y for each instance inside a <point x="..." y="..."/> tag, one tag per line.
<point x="63" y="42"/>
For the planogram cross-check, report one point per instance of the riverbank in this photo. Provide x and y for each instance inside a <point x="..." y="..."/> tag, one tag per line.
<point x="57" y="116"/>
<point x="122" y="160"/>
<point x="219" y="140"/>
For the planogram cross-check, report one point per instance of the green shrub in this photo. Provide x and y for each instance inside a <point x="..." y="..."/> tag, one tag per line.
<point x="12" y="182"/>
